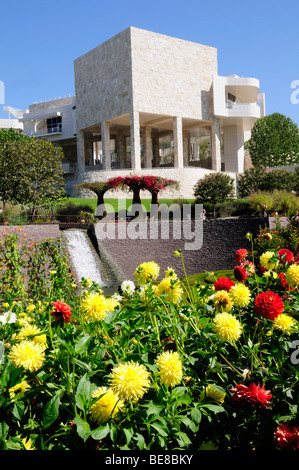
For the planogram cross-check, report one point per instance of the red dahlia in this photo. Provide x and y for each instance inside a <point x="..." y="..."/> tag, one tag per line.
<point x="224" y="283"/>
<point x="240" y="273"/>
<point x="61" y="311"/>
<point x="241" y="254"/>
<point x="285" y="256"/>
<point x="269" y="305"/>
<point x="254" y="396"/>
<point x="287" y="437"/>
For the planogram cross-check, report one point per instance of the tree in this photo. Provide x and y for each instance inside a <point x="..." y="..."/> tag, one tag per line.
<point x="214" y="188"/>
<point x="30" y="171"/>
<point x="274" y="141"/>
<point x="97" y="187"/>
<point x="9" y="177"/>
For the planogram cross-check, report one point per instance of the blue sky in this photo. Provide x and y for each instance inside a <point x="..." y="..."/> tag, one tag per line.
<point x="40" y="40"/>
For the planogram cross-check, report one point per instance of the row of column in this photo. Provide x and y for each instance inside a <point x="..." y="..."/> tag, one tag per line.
<point x="178" y="140"/>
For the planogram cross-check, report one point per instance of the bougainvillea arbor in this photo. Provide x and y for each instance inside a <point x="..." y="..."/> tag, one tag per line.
<point x="131" y="183"/>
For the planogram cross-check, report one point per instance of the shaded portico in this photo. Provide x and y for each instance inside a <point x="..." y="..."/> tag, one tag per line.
<point x="139" y="140"/>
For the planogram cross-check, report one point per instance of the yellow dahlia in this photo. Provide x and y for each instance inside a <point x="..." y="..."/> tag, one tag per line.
<point x="32" y="333"/>
<point x="212" y="393"/>
<point x="222" y="301"/>
<point x="95" y="307"/>
<point x="227" y="327"/>
<point x="147" y="272"/>
<point x="27" y="354"/>
<point x="130" y="380"/>
<point x="28" y="444"/>
<point x="170" y="272"/>
<point x="240" y="295"/>
<point x="112" y="302"/>
<point x="266" y="260"/>
<point x="170" y="289"/>
<point x="292" y="275"/>
<point x="107" y="406"/>
<point x="19" y="389"/>
<point x="285" y="323"/>
<point x="170" y="368"/>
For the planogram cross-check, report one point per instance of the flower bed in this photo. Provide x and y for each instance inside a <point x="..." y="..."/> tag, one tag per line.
<point x="161" y="365"/>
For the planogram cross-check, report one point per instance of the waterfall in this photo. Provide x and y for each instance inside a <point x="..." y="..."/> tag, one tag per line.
<point x="84" y="258"/>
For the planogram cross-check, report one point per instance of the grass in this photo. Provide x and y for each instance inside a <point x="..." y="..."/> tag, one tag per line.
<point x="209" y="277"/>
<point x="113" y="203"/>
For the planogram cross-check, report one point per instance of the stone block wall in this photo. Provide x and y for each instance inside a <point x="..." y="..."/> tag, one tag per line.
<point x="221" y="239"/>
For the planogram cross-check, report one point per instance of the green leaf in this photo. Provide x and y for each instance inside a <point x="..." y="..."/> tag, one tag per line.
<point x="82" y="344"/>
<point x="129" y="434"/>
<point x="153" y="408"/>
<point x="18" y="409"/>
<point x="83" y="393"/>
<point x="51" y="411"/>
<point x="100" y="432"/>
<point x="161" y="429"/>
<point x="83" y="428"/>
<point x="196" y="415"/>
<point x="183" y="438"/>
<point x="215" y="408"/>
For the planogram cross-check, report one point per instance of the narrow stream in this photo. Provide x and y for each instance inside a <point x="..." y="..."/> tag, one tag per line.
<point x="84" y="258"/>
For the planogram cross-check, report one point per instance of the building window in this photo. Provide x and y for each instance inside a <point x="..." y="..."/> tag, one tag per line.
<point x="54" y="124"/>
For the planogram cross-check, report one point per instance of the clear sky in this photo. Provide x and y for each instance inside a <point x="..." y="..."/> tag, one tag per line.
<point x="39" y="41"/>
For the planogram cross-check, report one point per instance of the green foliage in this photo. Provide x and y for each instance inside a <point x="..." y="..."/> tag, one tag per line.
<point x="261" y="201"/>
<point x="54" y="410"/>
<point x="214" y="188"/>
<point x="274" y="142"/>
<point x="282" y="236"/>
<point x="261" y="179"/>
<point x="279" y="201"/>
<point x="71" y="212"/>
<point x="30" y="170"/>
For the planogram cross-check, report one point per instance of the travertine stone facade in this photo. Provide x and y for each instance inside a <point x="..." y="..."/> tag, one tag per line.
<point x="147" y="103"/>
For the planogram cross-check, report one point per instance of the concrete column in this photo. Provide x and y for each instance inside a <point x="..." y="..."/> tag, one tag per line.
<point x="106" y="154"/>
<point x="148" y="150"/>
<point x="90" y="154"/>
<point x="80" y="152"/>
<point x="121" y="150"/>
<point x="156" y="150"/>
<point x="135" y="141"/>
<point x="186" y="145"/>
<point x="215" y="146"/>
<point x="233" y="142"/>
<point x="178" y="142"/>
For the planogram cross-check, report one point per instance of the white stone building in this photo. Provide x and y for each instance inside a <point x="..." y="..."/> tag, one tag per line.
<point x="146" y="103"/>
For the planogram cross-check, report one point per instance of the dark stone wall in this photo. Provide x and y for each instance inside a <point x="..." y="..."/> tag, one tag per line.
<point x="221" y="238"/>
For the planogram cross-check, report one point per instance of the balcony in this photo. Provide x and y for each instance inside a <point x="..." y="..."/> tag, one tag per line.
<point x="55" y="130"/>
<point x="235" y="109"/>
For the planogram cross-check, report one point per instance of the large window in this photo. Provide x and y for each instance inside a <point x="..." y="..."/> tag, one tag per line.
<point x="54" y="124"/>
